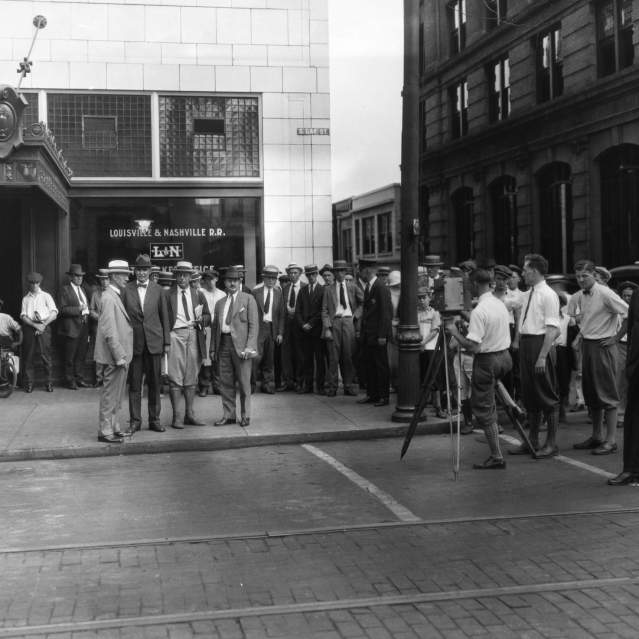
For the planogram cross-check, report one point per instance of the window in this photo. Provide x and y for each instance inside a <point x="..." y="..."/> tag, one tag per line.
<point x="347" y="244"/>
<point x="422" y="126"/>
<point x="457" y="20"/>
<point x="499" y="90"/>
<point x="615" y="50"/>
<point x="495" y="13"/>
<point x="555" y="202"/>
<point x="384" y="233"/>
<point x="358" y="237"/>
<point x="550" y="79"/>
<point x="368" y="224"/>
<point x="459" y="109"/>
<point x="100" y="132"/>
<point x="503" y="199"/>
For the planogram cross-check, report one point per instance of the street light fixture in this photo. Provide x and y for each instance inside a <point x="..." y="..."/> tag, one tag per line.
<point x="24" y="67"/>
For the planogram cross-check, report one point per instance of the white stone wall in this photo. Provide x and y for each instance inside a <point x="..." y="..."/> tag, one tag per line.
<point x="276" y="48"/>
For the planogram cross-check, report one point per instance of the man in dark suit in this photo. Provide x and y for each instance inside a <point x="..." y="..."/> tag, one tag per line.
<point x="188" y="316"/>
<point x="74" y="327"/>
<point x="292" y="344"/>
<point x="147" y="309"/>
<point x="271" y="313"/>
<point x="374" y="334"/>
<point x="233" y="346"/>
<point x="341" y="309"/>
<point x="308" y="314"/>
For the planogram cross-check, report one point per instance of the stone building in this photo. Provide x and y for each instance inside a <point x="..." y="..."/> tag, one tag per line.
<point x="529" y="129"/>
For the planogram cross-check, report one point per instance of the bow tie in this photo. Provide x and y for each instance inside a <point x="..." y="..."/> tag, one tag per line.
<point x="588" y="291"/>
<point x="142" y="285"/>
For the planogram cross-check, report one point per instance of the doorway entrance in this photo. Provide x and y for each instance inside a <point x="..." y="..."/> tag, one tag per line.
<point x="11" y="289"/>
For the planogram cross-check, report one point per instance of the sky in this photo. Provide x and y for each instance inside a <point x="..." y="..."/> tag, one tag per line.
<point x="366" y="50"/>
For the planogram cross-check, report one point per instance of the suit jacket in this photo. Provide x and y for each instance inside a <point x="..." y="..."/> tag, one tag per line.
<point x="330" y="303"/>
<point x="308" y="309"/>
<point x="244" y="324"/>
<point x="278" y="310"/>
<point x="286" y="291"/>
<point x="197" y="298"/>
<point x="377" y="313"/>
<point x="632" y="357"/>
<point x="151" y="324"/>
<point x="71" y="311"/>
<point x="114" y="338"/>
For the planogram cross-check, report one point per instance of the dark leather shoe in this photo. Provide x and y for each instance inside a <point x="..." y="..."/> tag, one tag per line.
<point x="158" y="428"/>
<point x="522" y="449"/>
<point x="203" y="392"/>
<point x="350" y="393"/>
<point x="587" y="444"/>
<point x="440" y="413"/>
<point x="192" y="420"/>
<point x="491" y="464"/>
<point x="467" y="429"/>
<point x="622" y="479"/>
<point x="381" y="402"/>
<point x="269" y="390"/>
<point x="546" y="452"/>
<point x="245" y="422"/>
<point x="134" y="427"/>
<point x="225" y="421"/>
<point x="282" y="388"/>
<point x="607" y="448"/>
<point x="123" y="433"/>
<point x="82" y="384"/>
<point x="49" y="388"/>
<point x="28" y="388"/>
<point x="177" y="426"/>
<point x="110" y="439"/>
<point x="366" y="400"/>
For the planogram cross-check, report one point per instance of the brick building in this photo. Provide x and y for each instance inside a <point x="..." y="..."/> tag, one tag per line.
<point x="529" y="129"/>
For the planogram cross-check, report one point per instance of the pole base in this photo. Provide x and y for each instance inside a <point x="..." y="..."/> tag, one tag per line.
<point x="404" y="414"/>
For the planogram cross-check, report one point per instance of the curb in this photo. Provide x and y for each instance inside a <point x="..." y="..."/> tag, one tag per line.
<point x="131" y="447"/>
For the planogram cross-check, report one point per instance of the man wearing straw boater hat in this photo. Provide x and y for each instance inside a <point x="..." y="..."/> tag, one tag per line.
<point x="113" y="351"/>
<point x="188" y="315"/>
<point x="73" y="326"/>
<point x="95" y="306"/>
<point x="147" y="309"/>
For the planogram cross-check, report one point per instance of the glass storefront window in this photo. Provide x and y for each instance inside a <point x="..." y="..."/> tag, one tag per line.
<point x="209" y="136"/>
<point x="211" y="231"/>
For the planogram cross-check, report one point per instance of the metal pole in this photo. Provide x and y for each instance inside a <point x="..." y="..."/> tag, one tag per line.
<point x="39" y="22"/>
<point x="408" y="336"/>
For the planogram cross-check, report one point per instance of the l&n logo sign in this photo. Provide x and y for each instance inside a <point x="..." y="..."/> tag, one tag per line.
<point x="166" y="251"/>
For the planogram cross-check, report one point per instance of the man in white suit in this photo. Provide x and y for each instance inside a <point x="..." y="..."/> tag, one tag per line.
<point x="114" y="350"/>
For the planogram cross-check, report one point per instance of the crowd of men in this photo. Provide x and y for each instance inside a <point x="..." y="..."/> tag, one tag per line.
<point x="178" y="328"/>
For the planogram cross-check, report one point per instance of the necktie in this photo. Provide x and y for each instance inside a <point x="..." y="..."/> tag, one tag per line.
<point x="367" y="290"/>
<point x="527" y="307"/>
<point x="291" y="299"/>
<point x="185" y="306"/>
<point x="342" y="295"/>
<point x="267" y="304"/>
<point x="227" y="320"/>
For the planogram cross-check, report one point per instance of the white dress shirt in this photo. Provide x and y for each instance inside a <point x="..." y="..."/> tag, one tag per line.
<point x="268" y="315"/>
<point x="141" y="292"/>
<point x="226" y="328"/>
<point x="340" y="311"/>
<point x="296" y="286"/>
<point x="38" y="306"/>
<point x="540" y="309"/>
<point x="84" y="307"/>
<point x="489" y="324"/>
<point x="180" y="316"/>
<point x="601" y="311"/>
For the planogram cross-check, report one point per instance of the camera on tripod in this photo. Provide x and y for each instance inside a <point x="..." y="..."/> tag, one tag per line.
<point x="452" y="294"/>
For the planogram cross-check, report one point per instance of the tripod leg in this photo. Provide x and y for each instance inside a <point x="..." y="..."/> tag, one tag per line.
<point x="512" y="410"/>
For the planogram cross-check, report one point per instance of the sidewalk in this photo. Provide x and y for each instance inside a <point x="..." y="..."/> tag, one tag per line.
<point x="63" y="424"/>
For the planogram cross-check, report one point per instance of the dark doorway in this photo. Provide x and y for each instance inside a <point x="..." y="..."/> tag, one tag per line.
<point x="619" y="169"/>
<point x="11" y="255"/>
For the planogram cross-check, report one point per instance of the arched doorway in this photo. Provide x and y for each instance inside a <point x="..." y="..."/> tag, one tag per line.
<point x="619" y="171"/>
<point x="463" y="206"/>
<point x="555" y="216"/>
<point x="503" y="203"/>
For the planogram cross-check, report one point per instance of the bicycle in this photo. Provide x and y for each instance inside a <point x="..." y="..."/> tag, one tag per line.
<point x="8" y="372"/>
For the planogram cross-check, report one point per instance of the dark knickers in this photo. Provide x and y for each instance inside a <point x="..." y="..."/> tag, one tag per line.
<point x="488" y="369"/>
<point x="538" y="390"/>
<point x="599" y="374"/>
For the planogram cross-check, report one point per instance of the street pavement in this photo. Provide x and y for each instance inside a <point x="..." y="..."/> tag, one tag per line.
<point x="63" y="424"/>
<point x="330" y="540"/>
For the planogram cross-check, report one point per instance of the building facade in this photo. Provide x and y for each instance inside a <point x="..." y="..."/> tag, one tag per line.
<point x="192" y="129"/>
<point x="529" y="129"/>
<point x="368" y="226"/>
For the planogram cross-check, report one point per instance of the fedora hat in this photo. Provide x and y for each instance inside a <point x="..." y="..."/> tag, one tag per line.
<point x="432" y="260"/>
<point x="383" y="270"/>
<point x="119" y="266"/>
<point x="311" y="268"/>
<point x="326" y="267"/>
<point x="270" y="271"/>
<point x="103" y="274"/>
<point x="143" y="261"/>
<point x="365" y="263"/>
<point x="340" y="265"/>
<point x="184" y="267"/>
<point x="232" y="273"/>
<point x="292" y="266"/>
<point x="75" y="269"/>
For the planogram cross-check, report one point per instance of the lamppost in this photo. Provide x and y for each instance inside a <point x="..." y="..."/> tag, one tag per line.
<point x="408" y="336"/>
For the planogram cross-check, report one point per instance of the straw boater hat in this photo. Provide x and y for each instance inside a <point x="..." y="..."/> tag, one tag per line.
<point x="232" y="273"/>
<point x="310" y="268"/>
<point x="326" y="267"/>
<point x="432" y="260"/>
<point x="118" y="266"/>
<point x="184" y="267"/>
<point x="166" y="278"/>
<point x="394" y="278"/>
<point x="75" y="269"/>
<point x="155" y="269"/>
<point x="340" y="265"/>
<point x="270" y="271"/>
<point x="103" y="274"/>
<point x="292" y="266"/>
<point x="383" y="270"/>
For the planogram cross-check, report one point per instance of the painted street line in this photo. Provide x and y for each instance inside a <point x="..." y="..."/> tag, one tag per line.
<point x="401" y="512"/>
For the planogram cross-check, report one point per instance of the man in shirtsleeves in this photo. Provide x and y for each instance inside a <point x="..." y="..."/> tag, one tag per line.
<point x="538" y="329"/>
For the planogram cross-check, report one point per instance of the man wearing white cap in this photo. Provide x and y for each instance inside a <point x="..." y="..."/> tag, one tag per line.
<point x="114" y="351"/>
